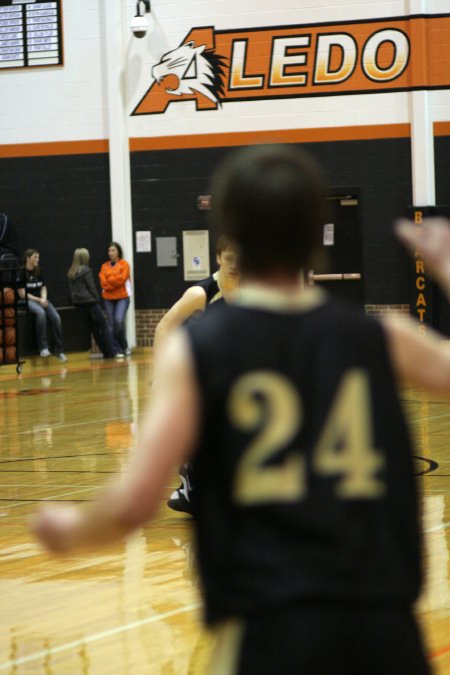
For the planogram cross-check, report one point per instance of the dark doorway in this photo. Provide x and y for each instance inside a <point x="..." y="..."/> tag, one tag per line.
<point x="340" y="270"/>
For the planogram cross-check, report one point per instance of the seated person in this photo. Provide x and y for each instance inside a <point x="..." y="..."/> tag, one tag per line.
<point x="41" y="308"/>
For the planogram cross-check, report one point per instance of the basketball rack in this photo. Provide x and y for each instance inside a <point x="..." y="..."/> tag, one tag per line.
<point x="11" y="280"/>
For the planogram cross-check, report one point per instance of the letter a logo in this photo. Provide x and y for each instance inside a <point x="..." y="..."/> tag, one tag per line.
<point x="191" y="72"/>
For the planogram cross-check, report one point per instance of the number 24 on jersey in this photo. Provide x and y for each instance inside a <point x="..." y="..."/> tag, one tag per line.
<point x="269" y="403"/>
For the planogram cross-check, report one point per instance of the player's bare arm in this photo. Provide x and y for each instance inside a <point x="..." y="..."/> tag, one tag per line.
<point x="132" y="500"/>
<point x="432" y="240"/>
<point x="191" y="302"/>
<point x="423" y="359"/>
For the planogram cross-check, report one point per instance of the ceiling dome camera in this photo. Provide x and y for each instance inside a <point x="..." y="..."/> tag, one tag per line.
<point x="139" y="25"/>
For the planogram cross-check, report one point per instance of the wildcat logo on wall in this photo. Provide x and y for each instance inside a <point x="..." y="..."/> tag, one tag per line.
<point x="356" y="57"/>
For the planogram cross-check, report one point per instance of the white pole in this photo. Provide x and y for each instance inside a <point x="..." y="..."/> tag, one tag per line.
<point x="116" y="26"/>
<point x="422" y="138"/>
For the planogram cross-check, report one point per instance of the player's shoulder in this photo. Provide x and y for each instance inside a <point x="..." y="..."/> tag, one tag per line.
<point x="216" y="319"/>
<point x="209" y="286"/>
<point x="194" y="291"/>
<point x="194" y="296"/>
<point x="204" y="283"/>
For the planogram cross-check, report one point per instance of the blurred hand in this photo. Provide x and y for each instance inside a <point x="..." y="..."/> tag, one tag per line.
<point x="431" y="240"/>
<point x="53" y="527"/>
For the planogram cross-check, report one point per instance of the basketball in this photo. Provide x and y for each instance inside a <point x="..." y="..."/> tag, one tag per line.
<point x="10" y="335"/>
<point x="10" y="354"/>
<point x="8" y="296"/>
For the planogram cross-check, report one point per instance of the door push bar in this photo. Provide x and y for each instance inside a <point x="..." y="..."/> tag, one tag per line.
<point x="345" y="276"/>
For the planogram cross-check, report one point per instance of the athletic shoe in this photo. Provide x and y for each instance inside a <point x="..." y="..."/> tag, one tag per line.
<point x="128" y="351"/>
<point x="179" y="502"/>
<point x="119" y="356"/>
<point x="181" y="499"/>
<point x="62" y="357"/>
<point x="45" y="353"/>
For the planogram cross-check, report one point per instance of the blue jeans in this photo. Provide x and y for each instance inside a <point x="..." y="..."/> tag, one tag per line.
<point x="116" y="310"/>
<point x="101" y="330"/>
<point x="41" y="314"/>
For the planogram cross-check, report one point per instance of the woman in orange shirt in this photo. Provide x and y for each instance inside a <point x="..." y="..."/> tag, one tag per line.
<point x="116" y="290"/>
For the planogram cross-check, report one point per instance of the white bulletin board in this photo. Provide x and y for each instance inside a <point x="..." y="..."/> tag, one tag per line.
<point x="196" y="254"/>
<point x="30" y="34"/>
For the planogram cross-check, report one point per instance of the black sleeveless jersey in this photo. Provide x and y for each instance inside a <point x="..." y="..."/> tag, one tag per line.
<point x="304" y="476"/>
<point x="212" y="290"/>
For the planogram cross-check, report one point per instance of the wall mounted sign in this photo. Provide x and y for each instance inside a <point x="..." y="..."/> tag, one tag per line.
<point x="196" y="254"/>
<point x="422" y="291"/>
<point x="213" y="67"/>
<point x="428" y="303"/>
<point x="30" y="33"/>
<point x="328" y="234"/>
<point x="143" y="241"/>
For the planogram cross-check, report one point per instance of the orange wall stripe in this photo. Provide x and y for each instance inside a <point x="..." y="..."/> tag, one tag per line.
<point x="55" y="148"/>
<point x="327" y="134"/>
<point x="442" y="128"/>
<point x="282" y="136"/>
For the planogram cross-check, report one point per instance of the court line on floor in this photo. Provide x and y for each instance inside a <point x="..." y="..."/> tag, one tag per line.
<point x="418" y="420"/>
<point x="442" y="526"/>
<point x="49" y="499"/>
<point x="55" y="370"/>
<point x="73" y="424"/>
<point x="47" y="458"/>
<point x="439" y="653"/>
<point x="45" y="653"/>
<point x="426" y="490"/>
<point x="38" y="485"/>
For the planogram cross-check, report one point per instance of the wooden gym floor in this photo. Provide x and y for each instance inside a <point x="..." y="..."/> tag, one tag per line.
<point x="134" y="608"/>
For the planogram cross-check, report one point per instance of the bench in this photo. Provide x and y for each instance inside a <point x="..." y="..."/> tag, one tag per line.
<point x="75" y="326"/>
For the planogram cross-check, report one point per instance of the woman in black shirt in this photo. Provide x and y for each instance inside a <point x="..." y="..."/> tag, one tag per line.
<point x="84" y="294"/>
<point x="41" y="308"/>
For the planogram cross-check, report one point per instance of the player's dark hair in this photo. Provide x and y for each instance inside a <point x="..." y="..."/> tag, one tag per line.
<point x="269" y="201"/>
<point x="223" y="243"/>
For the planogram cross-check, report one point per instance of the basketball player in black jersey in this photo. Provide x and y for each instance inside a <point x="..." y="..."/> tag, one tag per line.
<point x="217" y="288"/>
<point x="306" y="515"/>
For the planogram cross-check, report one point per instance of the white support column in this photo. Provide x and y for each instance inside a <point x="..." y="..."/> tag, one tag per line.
<point x="422" y="138"/>
<point x="422" y="150"/>
<point x="116" y="29"/>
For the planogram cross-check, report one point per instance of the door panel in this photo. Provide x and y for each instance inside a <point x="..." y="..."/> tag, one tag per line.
<point x="341" y="270"/>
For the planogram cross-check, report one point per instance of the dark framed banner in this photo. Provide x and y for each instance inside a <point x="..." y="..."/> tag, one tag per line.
<point x="427" y="303"/>
<point x="30" y="34"/>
